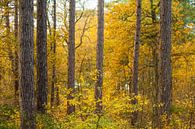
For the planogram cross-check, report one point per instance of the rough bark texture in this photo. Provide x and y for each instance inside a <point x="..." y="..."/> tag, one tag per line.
<point x="99" y="56"/>
<point x="136" y="59"/>
<point x="26" y="64"/>
<point x="16" y="69"/>
<point x="71" y="57"/>
<point x="42" y="78"/>
<point x="165" y="70"/>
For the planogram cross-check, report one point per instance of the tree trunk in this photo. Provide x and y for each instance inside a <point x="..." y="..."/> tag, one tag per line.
<point x="99" y="57"/>
<point x="156" y="96"/>
<point x="9" y="45"/>
<point x="136" y="60"/>
<point x="155" y="44"/>
<point x="42" y="77"/>
<point x="71" y="57"/>
<point x="7" y="18"/>
<point x="57" y="96"/>
<point x="16" y="69"/>
<point x="53" y="46"/>
<point x="26" y="64"/>
<point x="165" y="70"/>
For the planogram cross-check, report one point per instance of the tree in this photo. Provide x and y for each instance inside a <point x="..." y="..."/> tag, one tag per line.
<point x="12" y="53"/>
<point x="16" y="69"/>
<point x="71" y="57"/>
<point x="41" y="56"/>
<point x="99" y="56"/>
<point x="165" y="70"/>
<point x="53" y="46"/>
<point x="136" y="59"/>
<point x="154" y="46"/>
<point x="26" y="64"/>
<point x="8" y="36"/>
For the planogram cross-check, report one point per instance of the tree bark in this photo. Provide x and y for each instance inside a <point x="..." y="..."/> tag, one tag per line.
<point x="26" y="64"/>
<point x="99" y="57"/>
<point x="71" y="57"/>
<point x="136" y="60"/>
<point x="42" y="78"/>
<point x="165" y="70"/>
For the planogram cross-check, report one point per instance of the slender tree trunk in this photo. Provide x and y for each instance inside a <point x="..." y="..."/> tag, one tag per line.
<point x="156" y="97"/>
<point x="99" y="57"/>
<point x="54" y="54"/>
<point x="7" y="18"/>
<point x="136" y="60"/>
<point x="16" y="69"/>
<point x="165" y="70"/>
<point x="155" y="44"/>
<point x="7" y="25"/>
<point x="71" y="57"/>
<point x="54" y="63"/>
<point x="57" y="96"/>
<point x="9" y="45"/>
<point x="42" y="77"/>
<point x="26" y="64"/>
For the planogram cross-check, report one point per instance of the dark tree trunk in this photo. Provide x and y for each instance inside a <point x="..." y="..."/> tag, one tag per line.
<point x="16" y="69"/>
<point x="7" y="18"/>
<point x="165" y="70"/>
<point x="71" y="57"/>
<point x="53" y="46"/>
<point x="42" y="78"/>
<point x="26" y="64"/>
<point x="136" y="60"/>
<point x="99" y="56"/>
<point x="57" y="96"/>
<point x="54" y="63"/>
